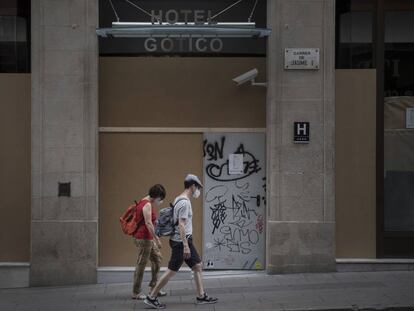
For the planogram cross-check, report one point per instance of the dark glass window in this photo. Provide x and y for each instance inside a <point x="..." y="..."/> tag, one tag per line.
<point x="354" y="34"/>
<point x="15" y="36"/>
<point x="399" y="119"/>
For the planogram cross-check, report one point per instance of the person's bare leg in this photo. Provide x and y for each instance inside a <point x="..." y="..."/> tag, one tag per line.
<point x="162" y="282"/>
<point x="198" y="279"/>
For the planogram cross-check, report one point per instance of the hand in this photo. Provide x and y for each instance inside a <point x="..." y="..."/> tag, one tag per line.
<point x="187" y="252"/>
<point x="158" y="242"/>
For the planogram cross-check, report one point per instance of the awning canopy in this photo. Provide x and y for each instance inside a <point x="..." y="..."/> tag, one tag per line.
<point x="177" y="30"/>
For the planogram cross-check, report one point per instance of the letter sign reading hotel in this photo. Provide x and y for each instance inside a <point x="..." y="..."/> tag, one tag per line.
<point x="301" y="132"/>
<point x="305" y="58"/>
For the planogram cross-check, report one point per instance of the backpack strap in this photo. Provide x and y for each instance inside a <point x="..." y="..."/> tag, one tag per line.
<point x="173" y="206"/>
<point x="142" y="212"/>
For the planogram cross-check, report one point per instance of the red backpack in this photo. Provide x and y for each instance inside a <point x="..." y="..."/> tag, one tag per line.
<point x="130" y="221"/>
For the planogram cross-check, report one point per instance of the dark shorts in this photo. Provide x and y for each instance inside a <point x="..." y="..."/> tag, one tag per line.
<point x="177" y="255"/>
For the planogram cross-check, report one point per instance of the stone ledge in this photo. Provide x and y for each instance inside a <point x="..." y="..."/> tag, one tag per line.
<point x="14" y="274"/>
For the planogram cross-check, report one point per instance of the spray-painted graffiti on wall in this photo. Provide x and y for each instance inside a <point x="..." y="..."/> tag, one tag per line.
<point x="234" y="203"/>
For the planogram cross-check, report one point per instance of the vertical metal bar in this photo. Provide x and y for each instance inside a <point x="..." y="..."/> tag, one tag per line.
<point x="379" y="64"/>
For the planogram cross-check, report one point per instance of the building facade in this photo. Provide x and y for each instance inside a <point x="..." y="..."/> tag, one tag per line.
<point x="307" y="165"/>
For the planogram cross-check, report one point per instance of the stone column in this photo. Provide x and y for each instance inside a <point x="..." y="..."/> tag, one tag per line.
<point x="64" y="141"/>
<point x="301" y="221"/>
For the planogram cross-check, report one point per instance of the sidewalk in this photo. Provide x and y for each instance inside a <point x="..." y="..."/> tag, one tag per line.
<point x="328" y="291"/>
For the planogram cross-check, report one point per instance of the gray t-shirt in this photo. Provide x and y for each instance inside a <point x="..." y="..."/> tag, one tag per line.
<point x="183" y="210"/>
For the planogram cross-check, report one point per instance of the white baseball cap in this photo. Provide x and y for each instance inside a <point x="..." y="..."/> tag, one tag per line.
<point x="191" y="177"/>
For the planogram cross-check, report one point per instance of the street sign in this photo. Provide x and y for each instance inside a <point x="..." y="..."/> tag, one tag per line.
<point x="304" y="58"/>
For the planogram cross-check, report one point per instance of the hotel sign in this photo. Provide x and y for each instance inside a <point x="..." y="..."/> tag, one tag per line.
<point x="301" y="132"/>
<point x="183" y="44"/>
<point x="168" y="27"/>
<point x="302" y="58"/>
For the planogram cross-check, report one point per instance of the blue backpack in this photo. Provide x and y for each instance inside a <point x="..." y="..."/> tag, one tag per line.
<point x="165" y="225"/>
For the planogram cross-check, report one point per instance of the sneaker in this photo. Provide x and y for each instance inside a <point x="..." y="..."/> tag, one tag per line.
<point x="154" y="303"/>
<point x="160" y="293"/>
<point x="205" y="300"/>
<point x="140" y="296"/>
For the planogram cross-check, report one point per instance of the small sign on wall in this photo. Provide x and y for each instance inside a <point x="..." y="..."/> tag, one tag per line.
<point x="304" y="58"/>
<point x="236" y="166"/>
<point x="301" y="132"/>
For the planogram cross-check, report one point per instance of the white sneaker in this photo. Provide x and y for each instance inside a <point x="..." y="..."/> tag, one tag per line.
<point x="139" y="296"/>
<point x="160" y="293"/>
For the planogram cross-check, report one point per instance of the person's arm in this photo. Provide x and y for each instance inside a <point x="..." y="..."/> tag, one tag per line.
<point x="181" y="229"/>
<point x="148" y="222"/>
<point x="182" y="221"/>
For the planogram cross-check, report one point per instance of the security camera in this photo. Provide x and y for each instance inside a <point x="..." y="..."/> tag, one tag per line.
<point x="249" y="76"/>
<point x="246" y="77"/>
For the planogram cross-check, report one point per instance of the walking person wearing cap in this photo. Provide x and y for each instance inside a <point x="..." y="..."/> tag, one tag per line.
<point x="182" y="247"/>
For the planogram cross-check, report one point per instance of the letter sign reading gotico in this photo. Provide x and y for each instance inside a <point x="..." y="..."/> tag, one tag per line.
<point x="186" y="43"/>
<point x="306" y="58"/>
<point x="301" y="132"/>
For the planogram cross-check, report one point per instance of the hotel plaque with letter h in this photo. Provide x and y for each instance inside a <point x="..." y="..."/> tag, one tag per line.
<point x="301" y="132"/>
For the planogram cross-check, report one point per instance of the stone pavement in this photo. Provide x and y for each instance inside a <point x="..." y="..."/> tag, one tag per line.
<point x="327" y="291"/>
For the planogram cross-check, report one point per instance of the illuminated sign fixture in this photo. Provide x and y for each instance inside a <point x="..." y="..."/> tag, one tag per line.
<point x="196" y="24"/>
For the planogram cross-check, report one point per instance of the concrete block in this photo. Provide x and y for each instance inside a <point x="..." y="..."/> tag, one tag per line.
<point x="60" y="136"/>
<point x="36" y="159"/>
<point x="61" y="62"/>
<point x="36" y="105"/>
<point x="14" y="275"/>
<point x="36" y="208"/>
<point x="64" y="113"/>
<point x="329" y="196"/>
<point x="273" y="210"/>
<point x="273" y="187"/>
<point x="91" y="135"/>
<point x="301" y="158"/>
<point x="304" y="13"/>
<point x="303" y="209"/>
<point x="56" y="13"/>
<point x="50" y="183"/>
<point x="36" y="185"/>
<point x="329" y="208"/>
<point x="37" y="135"/>
<point x="298" y="85"/>
<point x="73" y="160"/>
<point x="291" y="184"/>
<point x="69" y="209"/>
<point x="300" y="246"/>
<point x="91" y="184"/>
<point x="314" y="109"/>
<point x="92" y="39"/>
<point x="54" y="158"/>
<point x="63" y="253"/>
<point x="92" y="13"/>
<point x="298" y="36"/>
<point x="92" y="208"/>
<point x="90" y="158"/>
<point x="66" y="38"/>
<point x="64" y="88"/>
<point x="313" y="185"/>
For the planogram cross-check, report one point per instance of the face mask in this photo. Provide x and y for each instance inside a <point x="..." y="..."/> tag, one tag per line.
<point x="196" y="193"/>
